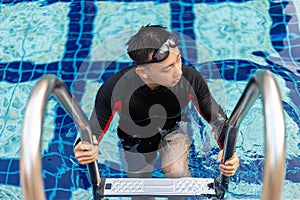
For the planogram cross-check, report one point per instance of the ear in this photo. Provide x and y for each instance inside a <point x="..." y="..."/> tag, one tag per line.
<point x="141" y="71"/>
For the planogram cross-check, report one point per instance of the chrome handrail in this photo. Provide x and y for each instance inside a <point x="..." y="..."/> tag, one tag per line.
<point x="262" y="83"/>
<point x="30" y="161"/>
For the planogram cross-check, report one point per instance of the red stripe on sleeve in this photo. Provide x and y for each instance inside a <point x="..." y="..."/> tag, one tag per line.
<point x="191" y="97"/>
<point x="117" y="107"/>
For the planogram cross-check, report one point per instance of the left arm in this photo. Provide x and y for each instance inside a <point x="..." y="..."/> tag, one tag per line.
<point x="215" y="116"/>
<point x="210" y="110"/>
<point x="230" y="166"/>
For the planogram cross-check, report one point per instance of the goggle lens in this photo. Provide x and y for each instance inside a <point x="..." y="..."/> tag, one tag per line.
<point x="163" y="52"/>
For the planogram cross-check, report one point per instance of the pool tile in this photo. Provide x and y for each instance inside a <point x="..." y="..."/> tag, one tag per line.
<point x="10" y="192"/>
<point x="12" y="109"/>
<point x="241" y="29"/>
<point x="296" y="3"/>
<point x="176" y="15"/>
<point x="110" y="37"/>
<point x="28" y="30"/>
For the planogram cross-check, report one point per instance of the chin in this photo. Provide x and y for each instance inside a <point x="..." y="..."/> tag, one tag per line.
<point x="173" y="84"/>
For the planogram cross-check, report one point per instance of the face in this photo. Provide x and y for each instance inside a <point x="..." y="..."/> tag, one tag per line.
<point x="167" y="72"/>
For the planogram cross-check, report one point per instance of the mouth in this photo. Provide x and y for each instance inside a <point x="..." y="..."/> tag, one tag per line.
<point x="177" y="80"/>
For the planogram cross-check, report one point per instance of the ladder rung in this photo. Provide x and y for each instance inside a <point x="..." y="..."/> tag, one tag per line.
<point x="156" y="187"/>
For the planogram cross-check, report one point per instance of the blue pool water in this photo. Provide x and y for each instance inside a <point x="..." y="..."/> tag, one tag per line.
<point x="83" y="43"/>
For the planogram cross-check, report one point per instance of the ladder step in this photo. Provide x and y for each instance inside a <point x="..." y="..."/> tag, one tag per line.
<point x="156" y="187"/>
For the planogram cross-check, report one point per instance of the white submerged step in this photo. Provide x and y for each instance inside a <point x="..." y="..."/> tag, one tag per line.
<point x="157" y="187"/>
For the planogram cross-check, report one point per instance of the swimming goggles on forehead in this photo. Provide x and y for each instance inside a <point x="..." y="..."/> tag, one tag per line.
<point x="163" y="52"/>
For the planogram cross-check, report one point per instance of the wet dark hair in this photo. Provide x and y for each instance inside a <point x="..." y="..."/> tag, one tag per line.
<point x="146" y="41"/>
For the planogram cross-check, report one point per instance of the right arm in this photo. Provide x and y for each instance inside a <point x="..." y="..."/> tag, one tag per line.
<point x="86" y="153"/>
<point x="106" y="104"/>
<point x="99" y="120"/>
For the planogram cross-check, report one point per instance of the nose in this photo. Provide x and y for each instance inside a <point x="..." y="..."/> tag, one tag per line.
<point x="178" y="70"/>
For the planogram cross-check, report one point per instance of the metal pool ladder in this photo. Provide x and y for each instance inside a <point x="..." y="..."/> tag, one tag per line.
<point x="262" y="83"/>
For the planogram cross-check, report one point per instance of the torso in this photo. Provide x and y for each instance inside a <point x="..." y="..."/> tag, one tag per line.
<point x="145" y="112"/>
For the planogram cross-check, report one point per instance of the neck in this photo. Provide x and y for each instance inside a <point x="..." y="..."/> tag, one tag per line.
<point x="153" y="86"/>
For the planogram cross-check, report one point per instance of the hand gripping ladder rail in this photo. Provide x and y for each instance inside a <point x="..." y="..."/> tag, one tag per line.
<point x="262" y="83"/>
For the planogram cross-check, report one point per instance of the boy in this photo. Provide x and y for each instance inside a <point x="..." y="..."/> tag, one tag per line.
<point x="150" y="97"/>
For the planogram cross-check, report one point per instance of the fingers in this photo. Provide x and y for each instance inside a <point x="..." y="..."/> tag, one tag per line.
<point x="86" y="153"/>
<point x="87" y="159"/>
<point x="227" y="170"/>
<point x="220" y="156"/>
<point x="233" y="160"/>
<point x="95" y="141"/>
<point x="83" y="147"/>
<point x="230" y="166"/>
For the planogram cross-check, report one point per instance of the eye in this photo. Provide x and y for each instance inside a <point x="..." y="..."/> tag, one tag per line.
<point x="167" y="69"/>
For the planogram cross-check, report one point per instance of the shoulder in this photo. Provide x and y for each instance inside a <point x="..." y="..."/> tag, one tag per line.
<point x="125" y="73"/>
<point x="118" y="82"/>
<point x="192" y="75"/>
<point x="118" y="75"/>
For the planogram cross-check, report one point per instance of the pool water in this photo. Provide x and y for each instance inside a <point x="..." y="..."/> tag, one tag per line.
<point x="83" y="43"/>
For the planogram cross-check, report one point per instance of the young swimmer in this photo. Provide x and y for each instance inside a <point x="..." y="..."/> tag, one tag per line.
<point x="151" y="97"/>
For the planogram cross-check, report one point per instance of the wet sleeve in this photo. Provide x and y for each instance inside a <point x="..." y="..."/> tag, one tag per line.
<point x="210" y="110"/>
<point x="106" y="105"/>
<point x="101" y="112"/>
